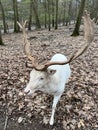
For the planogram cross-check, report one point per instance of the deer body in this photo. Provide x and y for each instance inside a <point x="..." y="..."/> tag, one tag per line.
<point x="51" y="81"/>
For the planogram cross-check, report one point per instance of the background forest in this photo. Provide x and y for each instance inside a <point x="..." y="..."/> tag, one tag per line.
<point x="43" y="13"/>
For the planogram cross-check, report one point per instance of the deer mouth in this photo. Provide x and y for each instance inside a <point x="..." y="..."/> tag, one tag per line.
<point x="27" y="92"/>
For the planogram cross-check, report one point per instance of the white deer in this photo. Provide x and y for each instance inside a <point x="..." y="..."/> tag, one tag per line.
<point x="52" y="76"/>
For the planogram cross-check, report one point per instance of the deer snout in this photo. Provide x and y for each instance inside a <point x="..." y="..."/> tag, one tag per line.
<point x="27" y="90"/>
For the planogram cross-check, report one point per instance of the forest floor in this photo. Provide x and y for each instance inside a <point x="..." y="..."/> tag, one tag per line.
<point x="78" y="106"/>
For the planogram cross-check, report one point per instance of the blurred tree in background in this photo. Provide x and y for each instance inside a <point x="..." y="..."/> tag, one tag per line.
<point x="45" y="13"/>
<point x="79" y="17"/>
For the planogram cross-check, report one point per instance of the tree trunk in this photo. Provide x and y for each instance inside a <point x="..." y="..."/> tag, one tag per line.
<point x="38" y="25"/>
<point x="3" y="17"/>
<point x="16" y="17"/>
<point x="52" y="13"/>
<point x="30" y="17"/>
<point x="94" y="13"/>
<point x="66" y="11"/>
<point x="64" y="14"/>
<point x="1" y="41"/>
<point x="76" y="10"/>
<point x="69" y="12"/>
<point x="49" y="21"/>
<point x="78" y="22"/>
<point x="56" y="21"/>
<point x="45" y="10"/>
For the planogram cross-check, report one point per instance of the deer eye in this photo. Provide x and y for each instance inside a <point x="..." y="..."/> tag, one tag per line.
<point x="41" y="78"/>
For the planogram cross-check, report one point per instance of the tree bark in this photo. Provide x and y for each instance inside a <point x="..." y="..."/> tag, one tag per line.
<point x="45" y="10"/>
<point x="16" y="16"/>
<point x="69" y="12"/>
<point x="78" y="22"/>
<point x="3" y="17"/>
<point x="38" y="25"/>
<point x="94" y="13"/>
<point x="30" y="17"/>
<point x="1" y="41"/>
<point x="64" y="14"/>
<point x="56" y="21"/>
<point x="49" y="21"/>
<point x="52" y="13"/>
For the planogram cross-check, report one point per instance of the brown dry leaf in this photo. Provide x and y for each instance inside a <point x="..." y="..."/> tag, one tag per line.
<point x="81" y="123"/>
<point x="21" y="93"/>
<point x="20" y="119"/>
<point x="29" y="115"/>
<point x="22" y="79"/>
<point x="64" y="124"/>
<point x="68" y="107"/>
<point x="20" y="105"/>
<point x="45" y="120"/>
<point x="86" y="107"/>
<point x="43" y="107"/>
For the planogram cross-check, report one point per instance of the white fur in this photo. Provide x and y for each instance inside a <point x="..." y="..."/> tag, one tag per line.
<point x="52" y="81"/>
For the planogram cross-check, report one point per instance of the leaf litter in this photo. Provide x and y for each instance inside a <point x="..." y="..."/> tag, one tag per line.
<point x="78" y="106"/>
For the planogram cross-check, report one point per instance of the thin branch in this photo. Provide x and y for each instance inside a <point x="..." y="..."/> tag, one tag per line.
<point x="6" y="122"/>
<point x="6" y="110"/>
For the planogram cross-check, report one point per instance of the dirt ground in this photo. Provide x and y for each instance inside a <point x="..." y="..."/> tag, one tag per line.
<point x="78" y="106"/>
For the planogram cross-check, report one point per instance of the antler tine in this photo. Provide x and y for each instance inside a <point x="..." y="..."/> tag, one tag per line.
<point x="19" y="25"/>
<point x="89" y="28"/>
<point x="24" y="25"/>
<point x="27" y="43"/>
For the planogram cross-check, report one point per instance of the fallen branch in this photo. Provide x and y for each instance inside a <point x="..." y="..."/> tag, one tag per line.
<point x="6" y="111"/>
<point x="6" y="121"/>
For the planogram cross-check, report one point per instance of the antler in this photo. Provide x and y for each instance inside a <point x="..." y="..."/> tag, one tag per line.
<point x="27" y="43"/>
<point x="88" y="35"/>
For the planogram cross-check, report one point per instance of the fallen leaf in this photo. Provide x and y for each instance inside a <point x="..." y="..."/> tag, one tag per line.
<point x="45" y="120"/>
<point x="81" y="123"/>
<point x="20" y="119"/>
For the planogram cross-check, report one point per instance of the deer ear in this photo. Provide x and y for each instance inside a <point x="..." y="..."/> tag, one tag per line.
<point x="51" y="71"/>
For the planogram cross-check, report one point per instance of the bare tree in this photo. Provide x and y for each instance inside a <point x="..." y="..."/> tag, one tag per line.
<point x="1" y="41"/>
<point x="45" y="10"/>
<point x="78" y="22"/>
<point x="94" y="13"/>
<point x="34" y="4"/>
<point x="64" y="12"/>
<point x="49" y="21"/>
<point x="3" y="17"/>
<point x="30" y="17"/>
<point x="70" y="11"/>
<point x="16" y="16"/>
<point x="56" y="21"/>
<point x="52" y="13"/>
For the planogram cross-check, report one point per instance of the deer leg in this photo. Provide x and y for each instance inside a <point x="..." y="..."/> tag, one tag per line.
<point x="55" y="101"/>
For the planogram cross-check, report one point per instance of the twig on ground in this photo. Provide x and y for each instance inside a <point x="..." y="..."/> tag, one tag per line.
<point x="6" y="121"/>
<point x="6" y="111"/>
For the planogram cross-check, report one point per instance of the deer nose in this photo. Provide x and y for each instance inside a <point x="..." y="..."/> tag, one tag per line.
<point x="27" y="91"/>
